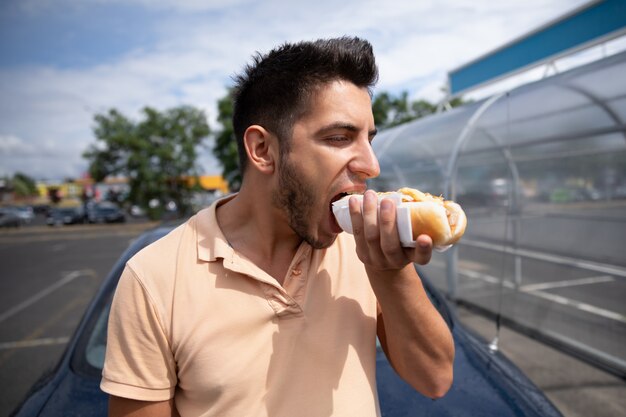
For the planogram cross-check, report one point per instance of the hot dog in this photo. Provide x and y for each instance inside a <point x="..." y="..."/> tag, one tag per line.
<point x="417" y="213"/>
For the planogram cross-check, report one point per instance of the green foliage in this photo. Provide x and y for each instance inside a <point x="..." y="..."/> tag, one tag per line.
<point x="225" y="147"/>
<point x="156" y="154"/>
<point x="23" y="185"/>
<point x="392" y="110"/>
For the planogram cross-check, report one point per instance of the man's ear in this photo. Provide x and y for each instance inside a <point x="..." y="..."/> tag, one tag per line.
<point x="262" y="149"/>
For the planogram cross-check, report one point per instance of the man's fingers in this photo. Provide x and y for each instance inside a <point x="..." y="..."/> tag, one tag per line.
<point x="423" y="249"/>
<point x="376" y="235"/>
<point x="370" y="218"/>
<point x="365" y="228"/>
<point x="389" y="238"/>
<point x="357" y="227"/>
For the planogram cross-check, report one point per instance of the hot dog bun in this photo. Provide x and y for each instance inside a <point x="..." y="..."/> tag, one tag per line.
<point x="444" y="221"/>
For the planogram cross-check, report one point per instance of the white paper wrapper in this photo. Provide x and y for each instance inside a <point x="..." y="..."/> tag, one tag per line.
<point x="341" y="210"/>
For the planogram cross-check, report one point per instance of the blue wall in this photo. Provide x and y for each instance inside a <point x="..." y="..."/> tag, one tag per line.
<point x="595" y="21"/>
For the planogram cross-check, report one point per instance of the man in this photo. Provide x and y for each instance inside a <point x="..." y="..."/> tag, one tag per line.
<point x="259" y="305"/>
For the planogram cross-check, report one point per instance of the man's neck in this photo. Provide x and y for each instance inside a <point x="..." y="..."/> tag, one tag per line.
<point x="258" y="230"/>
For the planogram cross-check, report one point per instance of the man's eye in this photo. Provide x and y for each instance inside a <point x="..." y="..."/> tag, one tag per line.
<point x="338" y="139"/>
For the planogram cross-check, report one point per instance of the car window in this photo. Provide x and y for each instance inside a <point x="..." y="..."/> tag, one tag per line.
<point x="96" y="346"/>
<point x="88" y="358"/>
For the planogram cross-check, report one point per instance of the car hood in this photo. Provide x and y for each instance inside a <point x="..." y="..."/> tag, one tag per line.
<point x="485" y="384"/>
<point x="70" y="395"/>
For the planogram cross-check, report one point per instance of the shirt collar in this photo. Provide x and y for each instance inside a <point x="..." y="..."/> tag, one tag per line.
<point x="212" y="243"/>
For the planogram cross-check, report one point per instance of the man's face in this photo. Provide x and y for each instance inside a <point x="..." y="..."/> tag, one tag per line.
<point x="329" y="155"/>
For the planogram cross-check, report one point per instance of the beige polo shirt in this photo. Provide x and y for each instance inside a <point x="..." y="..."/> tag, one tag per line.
<point x="194" y="320"/>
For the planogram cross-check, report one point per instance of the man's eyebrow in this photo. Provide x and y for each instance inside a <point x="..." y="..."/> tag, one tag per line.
<point x="343" y="126"/>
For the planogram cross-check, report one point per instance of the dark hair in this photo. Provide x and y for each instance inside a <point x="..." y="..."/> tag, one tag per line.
<point x="274" y="91"/>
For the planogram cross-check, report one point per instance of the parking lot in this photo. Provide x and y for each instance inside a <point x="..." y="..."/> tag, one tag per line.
<point x="49" y="274"/>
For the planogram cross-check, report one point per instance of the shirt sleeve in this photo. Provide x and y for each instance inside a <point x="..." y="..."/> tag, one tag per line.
<point x="139" y="363"/>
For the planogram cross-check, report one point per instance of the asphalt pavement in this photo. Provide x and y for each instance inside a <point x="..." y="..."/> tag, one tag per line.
<point x="48" y="275"/>
<point x="576" y="388"/>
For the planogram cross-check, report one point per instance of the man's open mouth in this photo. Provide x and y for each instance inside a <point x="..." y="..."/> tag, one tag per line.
<point x="340" y="196"/>
<point x="335" y="224"/>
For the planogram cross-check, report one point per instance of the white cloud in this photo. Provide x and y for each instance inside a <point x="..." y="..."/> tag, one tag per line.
<point x="202" y="43"/>
<point x="12" y="145"/>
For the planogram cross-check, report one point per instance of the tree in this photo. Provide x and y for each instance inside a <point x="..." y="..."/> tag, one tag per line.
<point x="392" y="110"/>
<point x="422" y="108"/>
<point x="23" y="185"/>
<point x="225" y="147"/>
<point x="381" y="107"/>
<point x="157" y="154"/>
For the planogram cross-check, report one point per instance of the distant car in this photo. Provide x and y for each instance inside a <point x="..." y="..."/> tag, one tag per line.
<point x="8" y="218"/>
<point x="105" y="214"/>
<point x="136" y="211"/>
<point x="25" y="213"/>
<point x="485" y="384"/>
<point x="58" y="216"/>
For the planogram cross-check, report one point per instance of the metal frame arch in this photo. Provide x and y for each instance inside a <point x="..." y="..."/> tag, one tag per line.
<point x="452" y="256"/>
<point x="466" y="133"/>
<point x="392" y="138"/>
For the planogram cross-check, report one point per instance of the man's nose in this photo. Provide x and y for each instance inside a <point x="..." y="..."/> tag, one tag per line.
<point x="364" y="163"/>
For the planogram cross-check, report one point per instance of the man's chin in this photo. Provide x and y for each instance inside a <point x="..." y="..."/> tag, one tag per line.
<point x="321" y="243"/>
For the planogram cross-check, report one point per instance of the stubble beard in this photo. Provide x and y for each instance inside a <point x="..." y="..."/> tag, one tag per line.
<point x="297" y="199"/>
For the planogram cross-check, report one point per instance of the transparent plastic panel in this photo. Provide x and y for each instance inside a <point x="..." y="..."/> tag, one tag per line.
<point x="603" y="79"/>
<point x="542" y="177"/>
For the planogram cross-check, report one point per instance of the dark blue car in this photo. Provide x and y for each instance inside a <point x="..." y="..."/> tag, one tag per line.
<point x="105" y="214"/>
<point x="58" y="216"/>
<point x="485" y="383"/>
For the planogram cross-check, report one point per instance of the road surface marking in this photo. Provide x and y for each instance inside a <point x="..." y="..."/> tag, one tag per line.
<point x="551" y="297"/>
<point x="41" y="294"/>
<point x="487" y="278"/>
<point x="535" y="289"/>
<point x="34" y="343"/>
<point x="581" y="306"/>
<point x="614" y="270"/>
<point x="566" y="283"/>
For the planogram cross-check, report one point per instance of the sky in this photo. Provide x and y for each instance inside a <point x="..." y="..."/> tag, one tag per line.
<point x="64" y="61"/>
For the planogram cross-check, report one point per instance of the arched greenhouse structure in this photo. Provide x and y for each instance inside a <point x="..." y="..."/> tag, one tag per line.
<point x="541" y="173"/>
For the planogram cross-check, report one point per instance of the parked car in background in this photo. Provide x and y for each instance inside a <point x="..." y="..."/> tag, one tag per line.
<point x="137" y="211"/>
<point x="8" y="218"/>
<point x="58" y="216"/>
<point x="105" y="213"/>
<point x="25" y="213"/>
<point x="485" y="384"/>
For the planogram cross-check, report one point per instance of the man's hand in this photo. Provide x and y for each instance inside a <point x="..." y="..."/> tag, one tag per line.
<point x="377" y="238"/>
